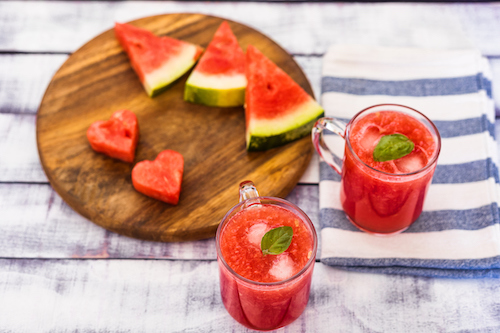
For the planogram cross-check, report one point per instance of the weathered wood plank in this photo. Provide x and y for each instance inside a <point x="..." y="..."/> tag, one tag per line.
<point x="311" y="66"/>
<point x="36" y="223"/>
<point x="24" y="78"/>
<point x="174" y="296"/>
<point x="183" y="295"/>
<point x="301" y="28"/>
<point x="19" y="161"/>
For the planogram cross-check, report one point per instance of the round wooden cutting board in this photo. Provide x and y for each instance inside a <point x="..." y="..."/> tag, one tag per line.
<point x="97" y="80"/>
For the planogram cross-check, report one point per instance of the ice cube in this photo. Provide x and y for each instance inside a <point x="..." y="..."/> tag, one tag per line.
<point x="369" y="138"/>
<point x="414" y="161"/>
<point x="256" y="232"/>
<point x="283" y="267"/>
<point x="388" y="166"/>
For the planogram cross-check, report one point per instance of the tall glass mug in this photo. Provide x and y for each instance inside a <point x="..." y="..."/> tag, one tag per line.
<point x="264" y="291"/>
<point x="380" y="197"/>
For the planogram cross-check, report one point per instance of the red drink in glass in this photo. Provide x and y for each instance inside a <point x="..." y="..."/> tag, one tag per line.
<point x="383" y="197"/>
<point x="265" y="292"/>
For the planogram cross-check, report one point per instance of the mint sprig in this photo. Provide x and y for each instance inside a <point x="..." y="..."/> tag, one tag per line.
<point x="276" y="240"/>
<point x="391" y="147"/>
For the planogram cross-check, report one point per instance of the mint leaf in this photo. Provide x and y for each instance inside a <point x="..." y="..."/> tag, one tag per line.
<point x="391" y="147"/>
<point x="276" y="240"/>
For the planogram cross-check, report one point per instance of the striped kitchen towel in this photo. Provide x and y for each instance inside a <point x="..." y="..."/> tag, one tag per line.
<point x="458" y="233"/>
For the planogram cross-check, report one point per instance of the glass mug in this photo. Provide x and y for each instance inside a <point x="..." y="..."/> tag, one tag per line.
<point x="263" y="305"/>
<point x="375" y="201"/>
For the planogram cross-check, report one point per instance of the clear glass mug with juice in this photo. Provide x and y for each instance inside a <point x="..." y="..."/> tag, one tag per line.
<point x="382" y="196"/>
<point x="264" y="291"/>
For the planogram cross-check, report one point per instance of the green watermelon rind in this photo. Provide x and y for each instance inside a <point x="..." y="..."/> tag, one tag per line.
<point x="261" y="140"/>
<point x="214" y="97"/>
<point x="222" y="90"/>
<point x="162" y="78"/>
<point x="157" y="91"/>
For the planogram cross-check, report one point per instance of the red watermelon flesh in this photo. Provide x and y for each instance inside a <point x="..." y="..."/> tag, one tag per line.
<point x="277" y="109"/>
<point x="272" y="91"/>
<point x="116" y="137"/>
<point x="149" y="53"/>
<point x="223" y="55"/>
<point x="219" y="77"/>
<point x="160" y="179"/>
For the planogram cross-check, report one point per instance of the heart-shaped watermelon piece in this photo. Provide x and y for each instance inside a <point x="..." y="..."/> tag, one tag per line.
<point x="160" y="179"/>
<point x="116" y="137"/>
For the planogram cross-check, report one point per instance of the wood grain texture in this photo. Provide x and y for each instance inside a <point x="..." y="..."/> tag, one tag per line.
<point x="98" y="80"/>
<point x="183" y="296"/>
<point x="36" y="223"/>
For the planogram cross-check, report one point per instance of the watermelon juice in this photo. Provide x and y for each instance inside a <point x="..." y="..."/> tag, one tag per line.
<point x="387" y="197"/>
<point x="265" y="292"/>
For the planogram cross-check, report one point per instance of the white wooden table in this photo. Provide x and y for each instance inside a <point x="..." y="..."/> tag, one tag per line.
<point x="59" y="272"/>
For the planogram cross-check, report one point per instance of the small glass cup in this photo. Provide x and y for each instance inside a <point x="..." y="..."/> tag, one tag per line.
<point x="375" y="201"/>
<point x="264" y="305"/>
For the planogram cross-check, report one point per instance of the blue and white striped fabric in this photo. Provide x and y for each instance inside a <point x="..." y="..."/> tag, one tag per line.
<point x="458" y="233"/>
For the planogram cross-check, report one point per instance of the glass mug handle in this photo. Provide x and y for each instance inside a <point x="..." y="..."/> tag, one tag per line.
<point x="333" y="125"/>
<point x="248" y="192"/>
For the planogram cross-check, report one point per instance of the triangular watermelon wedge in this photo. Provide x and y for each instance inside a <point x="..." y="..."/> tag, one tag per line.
<point x="277" y="109"/>
<point x="158" y="61"/>
<point x="219" y="77"/>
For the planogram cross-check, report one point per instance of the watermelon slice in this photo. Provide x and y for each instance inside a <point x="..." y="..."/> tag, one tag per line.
<point x="219" y="77"/>
<point x="116" y="137"/>
<point x="277" y="109"/>
<point x="158" y="61"/>
<point x="160" y="179"/>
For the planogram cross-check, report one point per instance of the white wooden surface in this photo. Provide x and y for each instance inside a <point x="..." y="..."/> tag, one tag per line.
<point x="59" y="272"/>
<point x="178" y="296"/>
